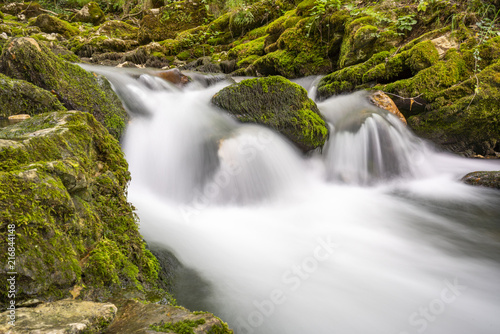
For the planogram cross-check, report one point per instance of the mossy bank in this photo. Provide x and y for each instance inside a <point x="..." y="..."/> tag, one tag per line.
<point x="63" y="181"/>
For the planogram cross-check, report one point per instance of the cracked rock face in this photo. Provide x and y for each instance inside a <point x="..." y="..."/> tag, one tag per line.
<point x="64" y="316"/>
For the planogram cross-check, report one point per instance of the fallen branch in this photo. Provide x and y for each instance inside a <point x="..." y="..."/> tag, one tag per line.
<point x="407" y="98"/>
<point x="130" y="15"/>
<point x="48" y="11"/>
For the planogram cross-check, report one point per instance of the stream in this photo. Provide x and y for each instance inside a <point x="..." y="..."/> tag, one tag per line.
<point x="375" y="234"/>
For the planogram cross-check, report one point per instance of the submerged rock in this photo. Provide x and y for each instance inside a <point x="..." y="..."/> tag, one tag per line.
<point x="63" y="182"/>
<point x="26" y="59"/>
<point x="484" y="179"/>
<point x="278" y="103"/>
<point x="381" y="100"/>
<point x="64" y="316"/>
<point x="174" y="76"/>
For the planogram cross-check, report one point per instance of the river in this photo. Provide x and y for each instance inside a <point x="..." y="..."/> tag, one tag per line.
<point x="375" y="234"/>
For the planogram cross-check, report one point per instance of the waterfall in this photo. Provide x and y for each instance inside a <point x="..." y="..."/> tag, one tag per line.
<point x="368" y="144"/>
<point x="375" y="234"/>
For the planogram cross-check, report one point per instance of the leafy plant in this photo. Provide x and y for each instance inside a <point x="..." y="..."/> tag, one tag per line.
<point x="487" y="29"/>
<point x="422" y="6"/>
<point x="244" y="18"/>
<point x="381" y="18"/>
<point x="320" y="8"/>
<point x="406" y="23"/>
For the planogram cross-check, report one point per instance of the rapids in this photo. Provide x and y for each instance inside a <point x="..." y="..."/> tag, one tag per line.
<point x="375" y="234"/>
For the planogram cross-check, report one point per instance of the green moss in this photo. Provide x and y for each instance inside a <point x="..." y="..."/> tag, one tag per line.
<point x="422" y="56"/>
<point x="63" y="181"/>
<point x="100" y="44"/>
<point x="462" y="121"/>
<point x="258" y="14"/>
<point x="247" y="61"/>
<point x="74" y="87"/>
<point x="345" y="80"/>
<point x="107" y="263"/>
<point x="430" y="81"/>
<point x="255" y="47"/>
<point x="93" y="14"/>
<point x="220" y="329"/>
<point x="118" y="29"/>
<point x="175" y="17"/>
<point x="297" y="55"/>
<point x="184" y="55"/>
<point x="180" y="327"/>
<point x="171" y="46"/>
<point x="50" y="24"/>
<point x="304" y="8"/>
<point x="21" y="97"/>
<point x="279" y="104"/>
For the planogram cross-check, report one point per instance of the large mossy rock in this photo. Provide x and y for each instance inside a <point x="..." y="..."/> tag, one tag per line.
<point x="278" y="103"/>
<point x="21" y="97"/>
<point x="447" y="88"/>
<point x="64" y="316"/>
<point x="51" y="24"/>
<point x="465" y="118"/>
<point x="90" y="13"/>
<point x="26" y="59"/>
<point x="136" y="317"/>
<point x="63" y="182"/>
<point x="173" y="18"/>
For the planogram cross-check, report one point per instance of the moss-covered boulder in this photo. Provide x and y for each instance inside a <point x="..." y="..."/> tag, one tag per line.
<point x="136" y="317"/>
<point x="278" y="103"/>
<point x="260" y="13"/>
<point x="173" y="18"/>
<point x="26" y="59"/>
<point x="21" y="97"/>
<point x="28" y="9"/>
<point x="363" y="38"/>
<point x="96" y="45"/>
<point x="298" y="54"/>
<point x="484" y="179"/>
<point x="464" y="118"/>
<point x="118" y="29"/>
<point x="349" y="78"/>
<point x="90" y="13"/>
<point x="63" y="182"/>
<point x="51" y="24"/>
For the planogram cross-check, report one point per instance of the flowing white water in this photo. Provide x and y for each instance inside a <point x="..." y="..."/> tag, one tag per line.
<point x="374" y="235"/>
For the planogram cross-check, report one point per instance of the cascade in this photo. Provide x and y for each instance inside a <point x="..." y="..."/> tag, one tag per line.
<point x="375" y="234"/>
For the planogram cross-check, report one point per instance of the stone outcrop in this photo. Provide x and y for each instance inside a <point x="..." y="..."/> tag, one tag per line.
<point x="139" y="318"/>
<point x="63" y="182"/>
<point x="64" y="316"/>
<point x="19" y="96"/>
<point x="279" y="104"/>
<point x="51" y="24"/>
<point x="90" y="13"/>
<point x="26" y="59"/>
